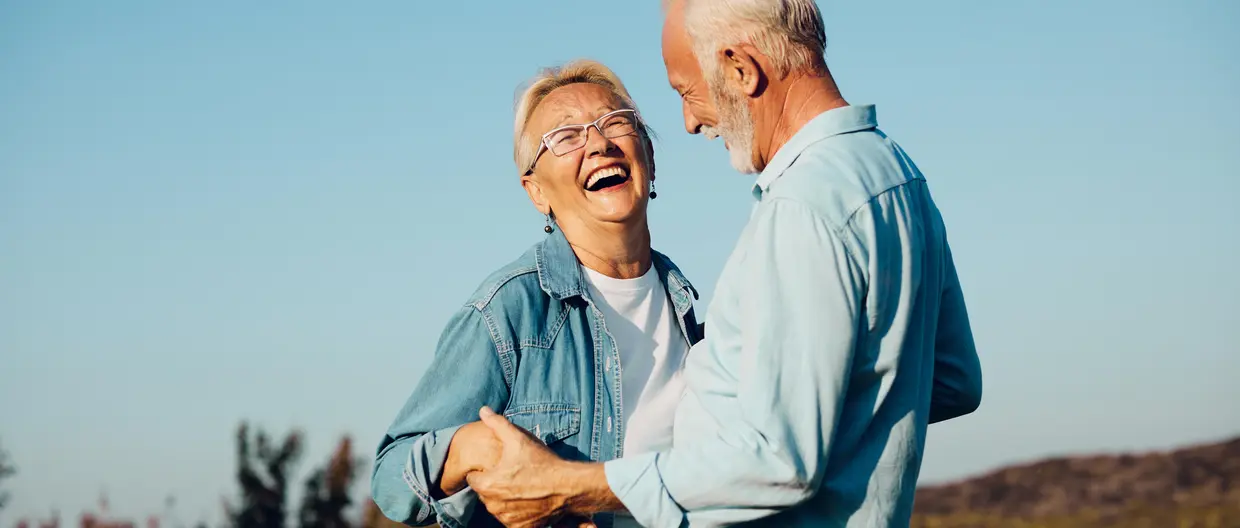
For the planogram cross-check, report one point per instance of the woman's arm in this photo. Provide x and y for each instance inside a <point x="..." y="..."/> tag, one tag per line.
<point x="473" y="448"/>
<point x="408" y="482"/>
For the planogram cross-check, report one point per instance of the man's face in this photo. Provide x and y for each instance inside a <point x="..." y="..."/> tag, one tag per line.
<point x="710" y="107"/>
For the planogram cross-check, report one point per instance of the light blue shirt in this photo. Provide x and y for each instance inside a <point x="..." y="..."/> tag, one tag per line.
<point x="837" y="333"/>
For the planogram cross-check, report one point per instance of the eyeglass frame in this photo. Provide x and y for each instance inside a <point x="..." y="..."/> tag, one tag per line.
<point x="585" y="128"/>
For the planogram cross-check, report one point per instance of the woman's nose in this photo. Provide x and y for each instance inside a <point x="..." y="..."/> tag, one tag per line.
<point x="596" y="143"/>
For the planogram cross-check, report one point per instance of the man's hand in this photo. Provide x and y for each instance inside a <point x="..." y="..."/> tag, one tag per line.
<point x="530" y="487"/>
<point x="473" y="448"/>
<point x="574" y="521"/>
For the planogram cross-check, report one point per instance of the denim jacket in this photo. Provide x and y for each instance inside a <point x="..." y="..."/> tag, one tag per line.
<point x="531" y="344"/>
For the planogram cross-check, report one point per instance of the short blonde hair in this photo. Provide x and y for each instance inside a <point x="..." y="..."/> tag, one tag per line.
<point x="525" y="144"/>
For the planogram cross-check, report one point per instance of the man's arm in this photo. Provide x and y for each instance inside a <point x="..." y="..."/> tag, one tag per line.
<point x="801" y="316"/>
<point x="957" y="369"/>
<point x="415" y="468"/>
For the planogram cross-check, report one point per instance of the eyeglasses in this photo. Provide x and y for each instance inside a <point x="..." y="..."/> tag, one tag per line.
<point x="568" y="138"/>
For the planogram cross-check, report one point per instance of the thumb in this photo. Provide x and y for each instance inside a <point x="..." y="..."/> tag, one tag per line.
<point x="476" y="480"/>
<point x="500" y="426"/>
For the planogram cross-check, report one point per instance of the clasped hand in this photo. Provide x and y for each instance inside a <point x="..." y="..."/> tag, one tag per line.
<point x="513" y="473"/>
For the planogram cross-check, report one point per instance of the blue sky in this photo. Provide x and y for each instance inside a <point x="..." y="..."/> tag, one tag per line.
<point x="234" y="210"/>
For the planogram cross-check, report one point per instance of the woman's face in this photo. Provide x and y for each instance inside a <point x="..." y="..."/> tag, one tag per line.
<point x="606" y="180"/>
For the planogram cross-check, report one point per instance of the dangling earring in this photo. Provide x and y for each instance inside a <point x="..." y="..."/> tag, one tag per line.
<point x="653" y="194"/>
<point x="547" y="228"/>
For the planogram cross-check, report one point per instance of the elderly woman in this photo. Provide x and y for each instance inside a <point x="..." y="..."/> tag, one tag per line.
<point x="580" y="340"/>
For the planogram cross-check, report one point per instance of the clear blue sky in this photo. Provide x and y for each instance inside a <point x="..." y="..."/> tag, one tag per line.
<point x="236" y="210"/>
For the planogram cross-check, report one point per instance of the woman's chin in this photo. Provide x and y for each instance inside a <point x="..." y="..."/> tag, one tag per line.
<point x="619" y="213"/>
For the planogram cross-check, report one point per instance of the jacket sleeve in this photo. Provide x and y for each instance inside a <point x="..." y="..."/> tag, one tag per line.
<point x="465" y="374"/>
<point x="957" y="370"/>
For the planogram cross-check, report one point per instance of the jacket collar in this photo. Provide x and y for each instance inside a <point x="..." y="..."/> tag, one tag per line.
<point x="559" y="273"/>
<point x="560" y="276"/>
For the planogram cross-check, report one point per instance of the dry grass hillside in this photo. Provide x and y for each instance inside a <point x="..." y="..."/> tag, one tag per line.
<point x="1197" y="486"/>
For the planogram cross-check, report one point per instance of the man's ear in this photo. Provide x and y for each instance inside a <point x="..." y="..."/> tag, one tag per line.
<point x="742" y="69"/>
<point x="532" y="188"/>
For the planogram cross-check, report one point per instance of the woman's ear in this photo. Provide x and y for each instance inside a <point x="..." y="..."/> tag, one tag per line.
<point x="532" y="188"/>
<point x="649" y="153"/>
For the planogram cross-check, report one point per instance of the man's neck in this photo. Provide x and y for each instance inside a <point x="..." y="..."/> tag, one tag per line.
<point x="615" y="250"/>
<point x="805" y="96"/>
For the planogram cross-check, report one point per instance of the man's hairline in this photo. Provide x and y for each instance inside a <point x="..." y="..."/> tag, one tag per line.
<point x="705" y="65"/>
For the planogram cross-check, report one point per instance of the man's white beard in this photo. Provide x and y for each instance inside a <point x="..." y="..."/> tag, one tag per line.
<point x="735" y="125"/>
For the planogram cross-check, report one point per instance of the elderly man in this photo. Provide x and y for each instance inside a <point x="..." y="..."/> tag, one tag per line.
<point x="838" y="330"/>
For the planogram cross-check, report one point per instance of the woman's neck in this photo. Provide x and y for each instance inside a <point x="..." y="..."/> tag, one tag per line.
<point x="622" y="252"/>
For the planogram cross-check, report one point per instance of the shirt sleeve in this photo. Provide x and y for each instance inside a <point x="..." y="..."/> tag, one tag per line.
<point x="957" y="369"/>
<point x="801" y="305"/>
<point x="464" y="375"/>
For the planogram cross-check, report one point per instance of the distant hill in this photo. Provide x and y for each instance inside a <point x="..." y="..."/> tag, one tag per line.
<point x="1197" y="486"/>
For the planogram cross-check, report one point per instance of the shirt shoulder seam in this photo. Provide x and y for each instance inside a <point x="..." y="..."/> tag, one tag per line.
<point x="836" y="231"/>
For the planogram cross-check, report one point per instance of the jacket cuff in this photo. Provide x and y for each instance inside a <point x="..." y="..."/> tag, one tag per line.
<point x="427" y="457"/>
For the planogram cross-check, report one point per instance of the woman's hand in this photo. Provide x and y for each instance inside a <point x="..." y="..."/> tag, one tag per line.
<point x="473" y="448"/>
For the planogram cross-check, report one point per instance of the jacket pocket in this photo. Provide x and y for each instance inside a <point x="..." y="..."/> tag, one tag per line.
<point x="549" y="422"/>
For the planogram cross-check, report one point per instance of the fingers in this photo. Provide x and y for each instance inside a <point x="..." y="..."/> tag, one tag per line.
<point x="503" y="429"/>
<point x="487" y="415"/>
<point x="574" y="521"/>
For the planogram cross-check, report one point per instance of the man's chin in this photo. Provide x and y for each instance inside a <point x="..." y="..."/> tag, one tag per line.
<point x="742" y="161"/>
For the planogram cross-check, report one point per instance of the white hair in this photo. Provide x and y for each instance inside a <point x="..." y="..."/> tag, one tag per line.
<point x="789" y="32"/>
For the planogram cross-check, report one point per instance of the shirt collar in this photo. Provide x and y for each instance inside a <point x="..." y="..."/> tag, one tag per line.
<point x="834" y="122"/>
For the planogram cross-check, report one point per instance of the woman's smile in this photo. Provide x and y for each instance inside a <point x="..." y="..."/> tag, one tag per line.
<point x="607" y="179"/>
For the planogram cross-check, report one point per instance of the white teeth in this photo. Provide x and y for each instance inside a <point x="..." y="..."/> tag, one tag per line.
<point x="603" y="173"/>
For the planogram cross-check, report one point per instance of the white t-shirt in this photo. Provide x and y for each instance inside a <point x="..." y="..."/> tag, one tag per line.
<point x="640" y="317"/>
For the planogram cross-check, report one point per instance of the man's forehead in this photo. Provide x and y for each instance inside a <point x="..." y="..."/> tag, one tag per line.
<point x="676" y="49"/>
<point x="682" y="67"/>
<point x="673" y="29"/>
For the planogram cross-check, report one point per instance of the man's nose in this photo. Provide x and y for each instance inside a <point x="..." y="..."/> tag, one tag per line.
<point x="596" y="143"/>
<point x="692" y="125"/>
